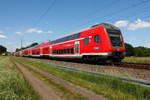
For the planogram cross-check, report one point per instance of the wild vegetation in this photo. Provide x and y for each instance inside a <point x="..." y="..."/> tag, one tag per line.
<point x="144" y="60"/>
<point x="112" y="88"/>
<point x="13" y="85"/>
<point x="137" y="51"/>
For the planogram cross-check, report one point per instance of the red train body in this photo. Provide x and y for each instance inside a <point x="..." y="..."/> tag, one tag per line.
<point x="103" y="42"/>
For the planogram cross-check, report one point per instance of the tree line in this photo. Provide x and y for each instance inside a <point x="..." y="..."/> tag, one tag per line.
<point x="32" y="45"/>
<point x="2" y="49"/>
<point x="139" y="51"/>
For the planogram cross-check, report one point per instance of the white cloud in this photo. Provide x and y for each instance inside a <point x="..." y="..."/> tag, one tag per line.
<point x="121" y="23"/>
<point x="147" y="45"/>
<point x="19" y="33"/>
<point x="49" y="32"/>
<point x="2" y="36"/>
<point x="34" y="30"/>
<point x="137" y="24"/>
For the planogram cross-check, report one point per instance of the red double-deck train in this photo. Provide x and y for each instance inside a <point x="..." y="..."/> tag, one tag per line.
<point x="100" y="43"/>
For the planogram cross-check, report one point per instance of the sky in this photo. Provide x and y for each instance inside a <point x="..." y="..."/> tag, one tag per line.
<point x="44" y="20"/>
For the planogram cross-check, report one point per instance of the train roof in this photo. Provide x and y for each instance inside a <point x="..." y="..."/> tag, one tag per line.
<point x="107" y="26"/>
<point x="41" y="45"/>
<point x="44" y="44"/>
<point x="76" y="34"/>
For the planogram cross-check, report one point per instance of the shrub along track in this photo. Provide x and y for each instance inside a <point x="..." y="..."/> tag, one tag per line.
<point x="75" y="88"/>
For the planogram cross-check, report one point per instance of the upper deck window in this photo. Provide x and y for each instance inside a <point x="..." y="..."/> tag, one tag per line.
<point x="67" y="38"/>
<point x="96" y="38"/>
<point x="86" y="41"/>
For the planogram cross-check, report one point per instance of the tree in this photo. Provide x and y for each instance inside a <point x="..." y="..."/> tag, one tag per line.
<point x="33" y="44"/>
<point x="17" y="50"/>
<point x="142" y="51"/>
<point x="2" y="49"/>
<point x="129" y="49"/>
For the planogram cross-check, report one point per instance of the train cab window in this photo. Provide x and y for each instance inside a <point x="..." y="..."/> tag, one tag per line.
<point x="86" y="41"/>
<point x="96" y="38"/>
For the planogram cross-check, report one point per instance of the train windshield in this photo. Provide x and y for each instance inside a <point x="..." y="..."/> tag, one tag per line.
<point x="115" y="37"/>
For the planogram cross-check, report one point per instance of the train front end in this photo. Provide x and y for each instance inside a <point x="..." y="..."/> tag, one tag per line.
<point x="117" y="46"/>
<point x="112" y="42"/>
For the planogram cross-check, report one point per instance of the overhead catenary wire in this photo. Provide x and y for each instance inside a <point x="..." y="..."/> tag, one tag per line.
<point x="137" y="13"/>
<point x="116" y="12"/>
<point x="52" y="4"/>
<point x="45" y="12"/>
<point x="110" y="4"/>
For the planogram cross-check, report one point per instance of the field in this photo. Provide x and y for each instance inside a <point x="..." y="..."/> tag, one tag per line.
<point x="13" y="85"/>
<point x="145" y="60"/>
<point x="111" y="88"/>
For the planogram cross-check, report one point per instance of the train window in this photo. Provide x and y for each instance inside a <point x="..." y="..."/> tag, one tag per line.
<point x="38" y="53"/>
<point x="54" y="51"/>
<point x="46" y="48"/>
<point x="59" y="52"/>
<point x="67" y="38"/>
<point x="96" y="38"/>
<point x="65" y="51"/>
<point x="86" y="41"/>
<point x="72" y="50"/>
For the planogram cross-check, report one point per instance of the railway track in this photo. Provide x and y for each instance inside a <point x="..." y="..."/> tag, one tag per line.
<point x="133" y="80"/>
<point x="122" y="64"/>
<point x="123" y="70"/>
<point x="133" y="65"/>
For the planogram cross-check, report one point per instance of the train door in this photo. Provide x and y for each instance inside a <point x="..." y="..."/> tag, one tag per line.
<point x="41" y="51"/>
<point x="77" y="47"/>
<point x="50" y="51"/>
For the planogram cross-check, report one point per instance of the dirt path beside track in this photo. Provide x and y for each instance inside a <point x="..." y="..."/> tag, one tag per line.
<point x="39" y="86"/>
<point x="77" y="89"/>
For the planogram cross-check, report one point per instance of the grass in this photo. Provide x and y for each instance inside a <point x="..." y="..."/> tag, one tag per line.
<point x="65" y="93"/>
<point x="111" y="88"/>
<point x="13" y="85"/>
<point x="145" y="60"/>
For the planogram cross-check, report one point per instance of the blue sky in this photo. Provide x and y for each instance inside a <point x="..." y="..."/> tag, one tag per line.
<point x="19" y="19"/>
